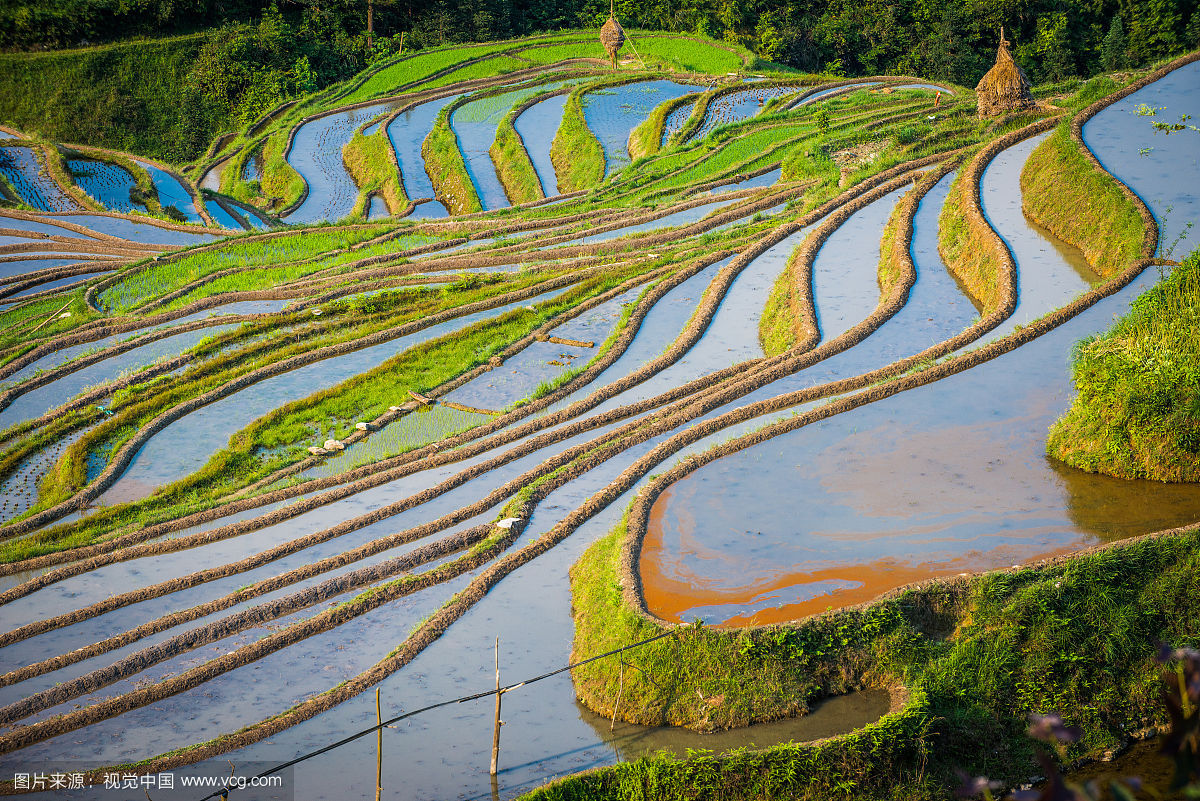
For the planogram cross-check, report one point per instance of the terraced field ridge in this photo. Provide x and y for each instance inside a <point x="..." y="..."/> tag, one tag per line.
<point x="496" y="341"/>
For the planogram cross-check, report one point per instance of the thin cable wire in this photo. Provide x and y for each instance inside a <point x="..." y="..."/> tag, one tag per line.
<point x="224" y="792"/>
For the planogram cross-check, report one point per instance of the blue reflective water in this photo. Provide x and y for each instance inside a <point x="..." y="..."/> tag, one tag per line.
<point x="316" y="154"/>
<point x="474" y="125"/>
<point x="1161" y="168"/>
<point x="222" y="217"/>
<point x="141" y="232"/>
<point x="36" y="189"/>
<point x="171" y="192"/>
<point x="109" y="184"/>
<point x="739" y="105"/>
<point x="536" y="126"/>
<point x="407" y="133"/>
<point x="613" y="113"/>
<point x="675" y="120"/>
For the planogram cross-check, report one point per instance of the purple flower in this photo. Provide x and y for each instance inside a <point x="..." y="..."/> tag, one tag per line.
<point x="1051" y="729"/>
<point x="973" y="785"/>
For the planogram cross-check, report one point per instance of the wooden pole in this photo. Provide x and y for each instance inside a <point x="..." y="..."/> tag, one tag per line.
<point x="401" y="43"/>
<point x="499" y="723"/>
<point x="378" y="744"/>
<point x="51" y="317"/>
<point x="620" y="689"/>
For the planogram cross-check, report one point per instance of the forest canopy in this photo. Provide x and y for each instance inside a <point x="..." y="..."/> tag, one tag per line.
<point x="955" y="41"/>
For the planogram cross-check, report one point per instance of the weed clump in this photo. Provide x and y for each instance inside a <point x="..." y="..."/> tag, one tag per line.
<point x="1137" y="414"/>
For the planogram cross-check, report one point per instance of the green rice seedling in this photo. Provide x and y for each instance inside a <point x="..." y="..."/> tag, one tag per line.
<point x="150" y="279"/>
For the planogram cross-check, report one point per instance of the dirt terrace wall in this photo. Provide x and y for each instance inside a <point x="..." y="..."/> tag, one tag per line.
<point x="429" y="631"/>
<point x="640" y="510"/>
<point x="125" y="455"/>
<point x="694" y="330"/>
<point x="984" y="248"/>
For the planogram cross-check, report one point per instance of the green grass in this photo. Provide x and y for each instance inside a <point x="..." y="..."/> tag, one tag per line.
<point x="417" y="67"/>
<point x="17" y="323"/>
<point x="977" y="656"/>
<point x="1137" y="412"/>
<point x="576" y="152"/>
<point x="368" y="159"/>
<point x="123" y="96"/>
<point x="778" y="328"/>
<point x="1081" y="204"/>
<point x="590" y="48"/>
<point x="415" y="430"/>
<point x="965" y="247"/>
<point x="732" y="153"/>
<point x="691" y="54"/>
<point x="280" y="181"/>
<point x="272" y="275"/>
<point x="488" y="68"/>
<point x="513" y="165"/>
<point x="446" y="168"/>
<point x="148" y="280"/>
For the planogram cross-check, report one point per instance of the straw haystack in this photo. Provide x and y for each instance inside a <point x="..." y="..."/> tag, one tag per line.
<point x="612" y="36"/>
<point x="1005" y="88"/>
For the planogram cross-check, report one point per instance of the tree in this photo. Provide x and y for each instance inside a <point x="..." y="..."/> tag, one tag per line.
<point x="1114" y="52"/>
<point x="1054" y="46"/>
<point x="1154" y="28"/>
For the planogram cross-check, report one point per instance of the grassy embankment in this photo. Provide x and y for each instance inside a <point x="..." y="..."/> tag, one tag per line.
<point x="121" y="96"/>
<point x="370" y="162"/>
<point x="514" y="168"/>
<point x="447" y="170"/>
<point x="1082" y="205"/>
<point x="779" y="328"/>
<point x="1137" y="411"/>
<point x="279" y="438"/>
<point x="646" y="139"/>
<point x="965" y="244"/>
<point x="45" y="316"/>
<point x="576" y="152"/>
<point x="280" y="183"/>
<point x="977" y="656"/>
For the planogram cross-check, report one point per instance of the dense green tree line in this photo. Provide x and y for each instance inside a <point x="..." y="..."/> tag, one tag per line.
<point x="947" y="39"/>
<point x="170" y="98"/>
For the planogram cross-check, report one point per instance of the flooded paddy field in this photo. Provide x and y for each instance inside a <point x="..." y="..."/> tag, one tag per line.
<point x="785" y="368"/>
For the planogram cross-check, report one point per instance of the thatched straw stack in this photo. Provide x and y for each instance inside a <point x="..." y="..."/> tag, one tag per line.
<point x="1005" y="88"/>
<point x="612" y="37"/>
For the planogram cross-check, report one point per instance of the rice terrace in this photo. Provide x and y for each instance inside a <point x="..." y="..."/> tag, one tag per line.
<point x="608" y="401"/>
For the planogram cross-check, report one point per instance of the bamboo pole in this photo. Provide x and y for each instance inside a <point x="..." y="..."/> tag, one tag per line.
<point x="48" y="319"/>
<point x="378" y="745"/>
<point x="620" y="689"/>
<point x="499" y="723"/>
